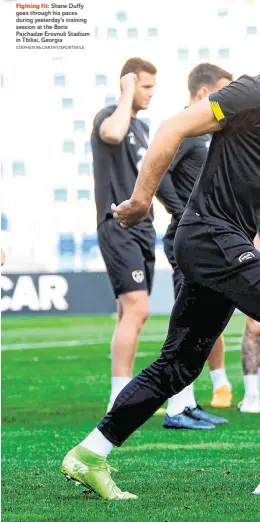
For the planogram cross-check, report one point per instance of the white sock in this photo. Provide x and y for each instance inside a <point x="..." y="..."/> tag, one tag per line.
<point x="117" y="385"/>
<point x="190" y="398"/>
<point x="258" y="378"/>
<point x="219" y="379"/>
<point x="251" y="385"/>
<point x="177" y="403"/>
<point x="97" y="443"/>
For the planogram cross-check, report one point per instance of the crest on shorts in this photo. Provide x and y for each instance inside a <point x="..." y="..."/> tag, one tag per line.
<point x="131" y="137"/>
<point x="246" y="256"/>
<point x="138" y="276"/>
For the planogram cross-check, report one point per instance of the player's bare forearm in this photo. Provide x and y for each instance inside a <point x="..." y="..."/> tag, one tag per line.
<point x="114" y="128"/>
<point x="195" y="120"/>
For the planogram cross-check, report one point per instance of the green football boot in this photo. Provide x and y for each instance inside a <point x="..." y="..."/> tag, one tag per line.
<point x="91" y="470"/>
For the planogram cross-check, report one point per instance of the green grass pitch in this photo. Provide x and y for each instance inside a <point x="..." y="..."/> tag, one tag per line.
<point x="56" y="380"/>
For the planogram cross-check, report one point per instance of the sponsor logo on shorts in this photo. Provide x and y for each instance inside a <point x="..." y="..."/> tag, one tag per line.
<point x="138" y="276"/>
<point x="246" y="256"/>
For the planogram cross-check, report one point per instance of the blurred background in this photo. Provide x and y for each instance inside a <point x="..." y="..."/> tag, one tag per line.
<point x="48" y="214"/>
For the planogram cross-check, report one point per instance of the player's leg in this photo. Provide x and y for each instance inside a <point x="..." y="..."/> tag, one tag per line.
<point x="242" y="283"/>
<point x="234" y="281"/>
<point x="126" y="269"/>
<point x="176" y="416"/>
<point x="134" y="306"/>
<point x="180" y="406"/>
<point x="222" y="394"/>
<point x="183" y="411"/>
<point x="251" y="364"/>
<point x="243" y="286"/>
<point x="236" y="249"/>
<point x="134" y="310"/>
<point x="221" y="386"/>
<point x="192" y="331"/>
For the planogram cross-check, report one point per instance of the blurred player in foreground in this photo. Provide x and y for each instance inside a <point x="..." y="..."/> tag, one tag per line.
<point x="183" y="410"/>
<point x="215" y="252"/>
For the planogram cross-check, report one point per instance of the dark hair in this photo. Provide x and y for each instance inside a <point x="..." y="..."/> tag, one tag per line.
<point x="206" y="74"/>
<point x="136" y="65"/>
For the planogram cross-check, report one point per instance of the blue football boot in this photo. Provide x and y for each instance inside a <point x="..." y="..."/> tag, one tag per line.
<point x="200" y="414"/>
<point x="185" y="420"/>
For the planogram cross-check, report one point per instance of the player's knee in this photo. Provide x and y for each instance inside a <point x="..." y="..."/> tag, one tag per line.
<point x="141" y="314"/>
<point x="136" y="305"/>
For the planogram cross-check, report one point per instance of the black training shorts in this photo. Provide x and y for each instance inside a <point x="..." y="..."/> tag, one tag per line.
<point x="222" y="259"/>
<point x="129" y="255"/>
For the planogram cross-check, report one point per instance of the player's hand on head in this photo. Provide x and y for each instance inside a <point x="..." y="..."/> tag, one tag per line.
<point x="128" y="82"/>
<point x="129" y="213"/>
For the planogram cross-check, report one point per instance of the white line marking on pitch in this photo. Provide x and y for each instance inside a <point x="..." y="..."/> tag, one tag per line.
<point x="82" y="342"/>
<point x="203" y="445"/>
